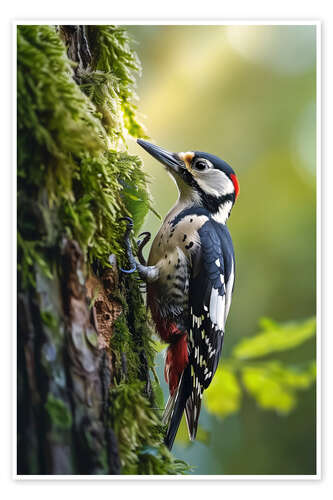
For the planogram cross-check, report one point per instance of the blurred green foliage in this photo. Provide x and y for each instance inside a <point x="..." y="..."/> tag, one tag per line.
<point x="224" y="397"/>
<point x="271" y="383"/>
<point x="275" y="338"/>
<point x="248" y="94"/>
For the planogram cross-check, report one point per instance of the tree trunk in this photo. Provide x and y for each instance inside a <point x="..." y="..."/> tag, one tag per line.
<point x="86" y="403"/>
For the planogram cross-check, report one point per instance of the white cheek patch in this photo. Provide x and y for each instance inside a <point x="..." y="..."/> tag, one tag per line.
<point x="215" y="182"/>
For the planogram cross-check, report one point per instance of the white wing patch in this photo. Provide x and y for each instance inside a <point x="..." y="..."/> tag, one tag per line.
<point x="217" y="309"/>
<point x="228" y="291"/>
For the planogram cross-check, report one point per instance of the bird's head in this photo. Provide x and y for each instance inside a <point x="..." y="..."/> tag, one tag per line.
<point x="202" y="178"/>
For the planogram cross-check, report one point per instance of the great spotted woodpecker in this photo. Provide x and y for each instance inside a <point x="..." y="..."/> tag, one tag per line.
<point x="190" y="277"/>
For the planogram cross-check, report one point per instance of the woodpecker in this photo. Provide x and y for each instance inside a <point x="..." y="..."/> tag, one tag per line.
<point x="190" y="277"/>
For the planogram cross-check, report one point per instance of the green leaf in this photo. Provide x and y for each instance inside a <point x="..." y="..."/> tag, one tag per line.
<point x="275" y="338"/>
<point x="223" y="397"/>
<point x="268" y="392"/>
<point x="294" y="377"/>
<point x="137" y="203"/>
<point x="274" y="386"/>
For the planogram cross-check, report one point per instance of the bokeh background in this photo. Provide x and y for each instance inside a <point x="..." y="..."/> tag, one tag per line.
<point x="248" y="95"/>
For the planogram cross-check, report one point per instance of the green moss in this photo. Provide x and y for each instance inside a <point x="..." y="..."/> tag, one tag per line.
<point x="53" y="113"/>
<point x="30" y="254"/>
<point x="48" y="319"/>
<point x="65" y="143"/>
<point x="76" y="179"/>
<point x="100" y="199"/>
<point x="58" y="412"/>
<point x="121" y="333"/>
<point x="139" y="433"/>
<point x="135" y="422"/>
<point x="122" y="344"/>
<point x="113" y="54"/>
<point x="142" y="334"/>
<point x="132" y="335"/>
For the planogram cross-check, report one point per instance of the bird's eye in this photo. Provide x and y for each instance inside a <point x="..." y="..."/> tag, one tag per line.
<point x="200" y="165"/>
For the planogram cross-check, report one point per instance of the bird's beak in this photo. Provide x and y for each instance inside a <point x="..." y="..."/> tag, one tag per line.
<point x="170" y="160"/>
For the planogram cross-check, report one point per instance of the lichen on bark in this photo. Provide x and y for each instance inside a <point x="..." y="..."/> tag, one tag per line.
<point x="87" y="388"/>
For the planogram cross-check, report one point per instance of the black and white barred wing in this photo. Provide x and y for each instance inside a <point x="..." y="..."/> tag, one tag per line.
<point x="208" y="311"/>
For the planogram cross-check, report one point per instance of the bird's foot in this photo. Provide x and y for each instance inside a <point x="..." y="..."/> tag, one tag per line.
<point x="130" y="256"/>
<point x="147" y="273"/>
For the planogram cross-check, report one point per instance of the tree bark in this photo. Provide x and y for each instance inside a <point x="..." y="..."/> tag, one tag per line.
<point x="65" y="371"/>
<point x="65" y="365"/>
<point x="86" y="401"/>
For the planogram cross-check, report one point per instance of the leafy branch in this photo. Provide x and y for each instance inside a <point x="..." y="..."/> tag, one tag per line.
<point x="272" y="383"/>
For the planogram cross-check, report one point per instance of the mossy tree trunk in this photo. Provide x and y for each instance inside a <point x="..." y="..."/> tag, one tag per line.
<point x="86" y="401"/>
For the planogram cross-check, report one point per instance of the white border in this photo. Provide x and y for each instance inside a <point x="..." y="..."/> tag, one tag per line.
<point x="167" y="22"/>
<point x="158" y="22"/>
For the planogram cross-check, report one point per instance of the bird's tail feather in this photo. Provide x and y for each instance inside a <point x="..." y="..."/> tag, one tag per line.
<point x="175" y="407"/>
<point x="168" y="408"/>
<point x="192" y="412"/>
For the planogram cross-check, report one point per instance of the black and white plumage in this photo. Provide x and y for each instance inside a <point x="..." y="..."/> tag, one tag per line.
<point x="210" y="292"/>
<point x="190" y="276"/>
<point x="210" y="299"/>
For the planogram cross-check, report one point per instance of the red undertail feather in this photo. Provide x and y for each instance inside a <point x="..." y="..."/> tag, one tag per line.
<point x="176" y="361"/>
<point x="177" y="353"/>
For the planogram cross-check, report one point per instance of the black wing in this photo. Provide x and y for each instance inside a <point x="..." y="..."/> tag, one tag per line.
<point x="210" y="296"/>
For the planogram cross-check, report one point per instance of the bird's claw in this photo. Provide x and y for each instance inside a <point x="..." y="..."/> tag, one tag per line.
<point x="129" y="227"/>
<point x="141" y="244"/>
<point x="128" y="271"/>
<point x="145" y="239"/>
<point x="146" y="233"/>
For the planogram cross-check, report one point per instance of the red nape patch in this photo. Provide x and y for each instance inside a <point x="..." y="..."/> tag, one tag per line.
<point x="235" y="183"/>
<point x="176" y="361"/>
